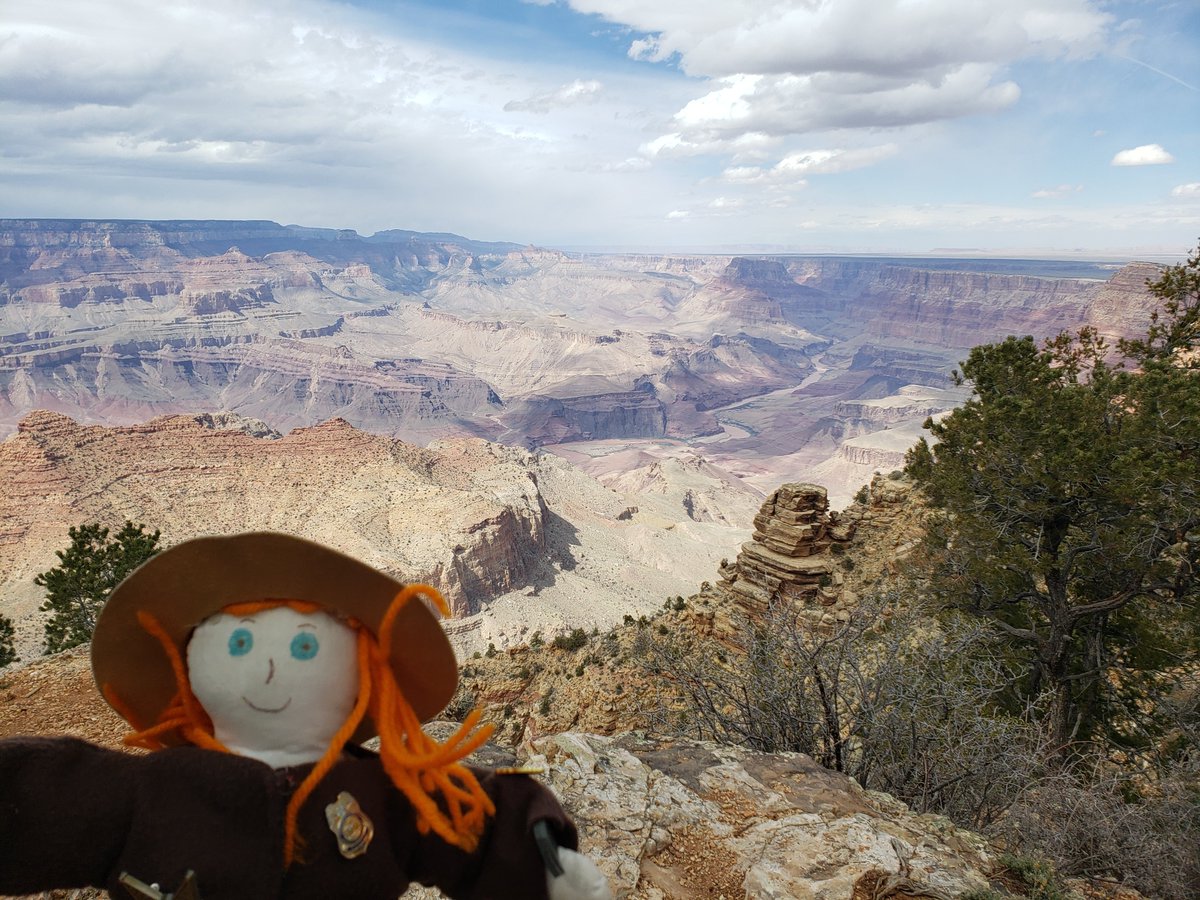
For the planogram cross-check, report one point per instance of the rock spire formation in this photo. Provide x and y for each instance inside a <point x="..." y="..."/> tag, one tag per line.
<point x="789" y="558"/>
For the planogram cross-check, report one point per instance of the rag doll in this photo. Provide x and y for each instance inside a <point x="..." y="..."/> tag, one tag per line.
<point x="253" y="666"/>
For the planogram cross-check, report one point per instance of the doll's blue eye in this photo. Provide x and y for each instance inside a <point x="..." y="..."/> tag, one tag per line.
<point x="305" y="646"/>
<point x="240" y="642"/>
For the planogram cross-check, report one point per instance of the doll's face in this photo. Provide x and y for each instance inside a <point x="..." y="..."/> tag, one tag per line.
<point x="277" y="684"/>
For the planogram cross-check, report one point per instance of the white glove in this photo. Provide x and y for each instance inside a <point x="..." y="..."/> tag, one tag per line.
<point x="580" y="880"/>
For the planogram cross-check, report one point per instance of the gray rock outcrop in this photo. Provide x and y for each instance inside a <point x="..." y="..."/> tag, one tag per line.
<point x="681" y="820"/>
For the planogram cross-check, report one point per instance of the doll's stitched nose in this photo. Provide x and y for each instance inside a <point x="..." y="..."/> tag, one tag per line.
<point x="271" y="670"/>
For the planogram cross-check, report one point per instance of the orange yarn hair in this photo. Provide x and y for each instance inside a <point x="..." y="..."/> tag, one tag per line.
<point x="424" y="770"/>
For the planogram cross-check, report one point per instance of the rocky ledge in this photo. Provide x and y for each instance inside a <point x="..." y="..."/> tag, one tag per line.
<point x="664" y="820"/>
<point x="670" y="820"/>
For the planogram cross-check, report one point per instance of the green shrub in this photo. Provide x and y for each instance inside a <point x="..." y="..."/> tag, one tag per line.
<point x="573" y="641"/>
<point x="1037" y="875"/>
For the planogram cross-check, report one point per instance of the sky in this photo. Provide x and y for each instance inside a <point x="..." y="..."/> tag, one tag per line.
<point x="1009" y="127"/>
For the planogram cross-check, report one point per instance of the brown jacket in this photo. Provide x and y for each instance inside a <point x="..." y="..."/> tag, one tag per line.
<point x="73" y="814"/>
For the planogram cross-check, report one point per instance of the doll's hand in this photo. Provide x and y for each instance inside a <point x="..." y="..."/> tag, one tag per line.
<point x="580" y="879"/>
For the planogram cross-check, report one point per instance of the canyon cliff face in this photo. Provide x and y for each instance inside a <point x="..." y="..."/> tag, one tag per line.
<point x="763" y="361"/>
<point x="467" y="517"/>
<point x="953" y="309"/>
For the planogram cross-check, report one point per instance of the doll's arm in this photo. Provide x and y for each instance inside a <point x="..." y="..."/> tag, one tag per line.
<point x="64" y="813"/>
<point x="580" y="880"/>
<point x="569" y="875"/>
<point x="508" y="861"/>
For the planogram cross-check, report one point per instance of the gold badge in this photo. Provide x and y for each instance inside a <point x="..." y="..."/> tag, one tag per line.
<point x="349" y="825"/>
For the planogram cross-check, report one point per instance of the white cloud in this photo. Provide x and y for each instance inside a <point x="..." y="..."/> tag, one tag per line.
<point x="777" y="105"/>
<point x="796" y="68"/>
<point x="791" y="171"/>
<point x="567" y="95"/>
<point x="678" y="214"/>
<point x="829" y="162"/>
<point x="725" y="37"/>
<point x="631" y="164"/>
<point x="1145" y="155"/>
<point x="1190" y="191"/>
<point x="1057" y="193"/>
<point x="752" y="145"/>
<point x="753" y="175"/>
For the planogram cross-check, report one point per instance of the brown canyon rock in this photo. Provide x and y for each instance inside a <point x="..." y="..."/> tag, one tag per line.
<point x="424" y="336"/>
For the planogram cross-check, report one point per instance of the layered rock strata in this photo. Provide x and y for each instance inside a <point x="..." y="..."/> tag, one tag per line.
<point x="788" y="558"/>
<point x="889" y="519"/>
<point x="518" y="541"/>
<point x="117" y="321"/>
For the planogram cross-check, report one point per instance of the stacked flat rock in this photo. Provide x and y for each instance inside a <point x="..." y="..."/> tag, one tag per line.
<point x="788" y="556"/>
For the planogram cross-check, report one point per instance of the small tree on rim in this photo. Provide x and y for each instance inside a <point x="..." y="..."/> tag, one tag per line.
<point x="8" y="653"/>
<point x="78" y="587"/>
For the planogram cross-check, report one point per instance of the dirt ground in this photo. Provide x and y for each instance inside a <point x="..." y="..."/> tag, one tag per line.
<point x="56" y="695"/>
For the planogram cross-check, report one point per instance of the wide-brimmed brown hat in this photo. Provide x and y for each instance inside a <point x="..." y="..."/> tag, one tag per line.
<point x="191" y="581"/>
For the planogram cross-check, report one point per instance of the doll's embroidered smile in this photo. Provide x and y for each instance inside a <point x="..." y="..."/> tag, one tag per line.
<point x="266" y="710"/>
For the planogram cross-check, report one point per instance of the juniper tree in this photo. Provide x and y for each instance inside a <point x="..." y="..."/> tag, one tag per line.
<point x="88" y="570"/>
<point x="1070" y="487"/>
